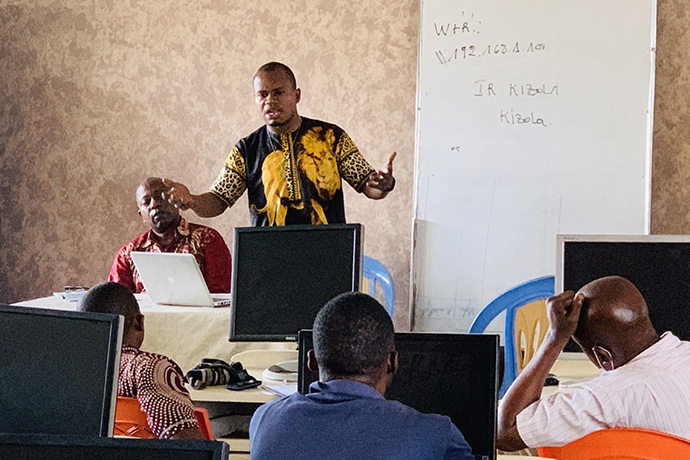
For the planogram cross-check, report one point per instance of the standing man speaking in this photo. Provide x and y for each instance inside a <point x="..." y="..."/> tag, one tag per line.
<point x="291" y="167"/>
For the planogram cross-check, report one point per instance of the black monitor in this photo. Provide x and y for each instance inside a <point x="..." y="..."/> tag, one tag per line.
<point x="58" y="371"/>
<point x="282" y="276"/>
<point x="41" y="447"/>
<point x="659" y="265"/>
<point x="447" y="374"/>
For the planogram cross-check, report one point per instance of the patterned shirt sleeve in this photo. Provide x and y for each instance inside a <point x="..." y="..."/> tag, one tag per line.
<point x="232" y="180"/>
<point x="218" y="264"/>
<point x="163" y="397"/>
<point x="121" y="271"/>
<point x="351" y="164"/>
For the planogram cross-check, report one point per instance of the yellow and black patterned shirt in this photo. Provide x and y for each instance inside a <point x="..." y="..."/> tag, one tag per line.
<point x="293" y="178"/>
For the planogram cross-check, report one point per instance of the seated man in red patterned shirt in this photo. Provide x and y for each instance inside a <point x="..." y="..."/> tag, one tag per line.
<point x="170" y="232"/>
<point x="154" y="380"/>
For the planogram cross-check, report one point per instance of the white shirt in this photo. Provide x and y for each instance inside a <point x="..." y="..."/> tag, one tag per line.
<point x="651" y="391"/>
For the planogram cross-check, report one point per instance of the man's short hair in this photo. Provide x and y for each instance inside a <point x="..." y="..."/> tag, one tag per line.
<point x="353" y="335"/>
<point x="112" y="298"/>
<point x="275" y="67"/>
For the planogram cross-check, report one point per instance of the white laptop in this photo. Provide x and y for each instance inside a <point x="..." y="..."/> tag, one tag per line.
<point x="175" y="279"/>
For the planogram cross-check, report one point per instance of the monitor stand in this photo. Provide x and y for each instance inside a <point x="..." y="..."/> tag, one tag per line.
<point x="284" y="371"/>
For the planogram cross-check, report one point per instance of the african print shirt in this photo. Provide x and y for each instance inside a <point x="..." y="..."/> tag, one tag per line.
<point x="207" y="245"/>
<point x="158" y="384"/>
<point x="293" y="178"/>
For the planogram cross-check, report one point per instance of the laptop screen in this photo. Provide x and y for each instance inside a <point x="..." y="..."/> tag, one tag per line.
<point x="282" y="276"/>
<point x="447" y="374"/>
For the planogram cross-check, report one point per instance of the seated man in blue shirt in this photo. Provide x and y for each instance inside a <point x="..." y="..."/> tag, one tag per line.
<point x="345" y="414"/>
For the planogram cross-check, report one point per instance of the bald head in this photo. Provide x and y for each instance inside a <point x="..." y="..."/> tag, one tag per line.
<point x="614" y="316"/>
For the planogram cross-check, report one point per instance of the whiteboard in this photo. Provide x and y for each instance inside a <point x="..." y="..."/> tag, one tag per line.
<point x="534" y="118"/>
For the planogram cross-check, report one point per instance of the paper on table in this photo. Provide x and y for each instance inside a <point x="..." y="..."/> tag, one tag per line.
<point x="281" y="390"/>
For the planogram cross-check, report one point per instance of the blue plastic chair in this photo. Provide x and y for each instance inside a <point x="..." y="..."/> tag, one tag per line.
<point x="375" y="272"/>
<point x="510" y="301"/>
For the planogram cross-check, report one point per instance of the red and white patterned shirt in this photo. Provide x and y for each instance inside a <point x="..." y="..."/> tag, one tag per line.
<point x="158" y="384"/>
<point x="205" y="243"/>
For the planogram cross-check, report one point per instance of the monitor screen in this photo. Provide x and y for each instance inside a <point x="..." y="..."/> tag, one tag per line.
<point x="659" y="265"/>
<point x="58" y="371"/>
<point x="448" y="374"/>
<point x="282" y="276"/>
<point x="41" y="447"/>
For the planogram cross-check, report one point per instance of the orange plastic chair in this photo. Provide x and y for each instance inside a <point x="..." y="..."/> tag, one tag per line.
<point x="622" y="444"/>
<point x="131" y="421"/>
<point x="204" y="422"/>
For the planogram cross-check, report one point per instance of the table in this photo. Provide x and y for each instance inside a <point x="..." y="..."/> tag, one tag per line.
<point x="184" y="334"/>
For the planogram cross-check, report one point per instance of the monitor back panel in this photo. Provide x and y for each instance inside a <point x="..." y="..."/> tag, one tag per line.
<point x="58" y="371"/>
<point x="282" y="276"/>
<point x="33" y="447"/>
<point x="447" y="374"/>
<point x="659" y="269"/>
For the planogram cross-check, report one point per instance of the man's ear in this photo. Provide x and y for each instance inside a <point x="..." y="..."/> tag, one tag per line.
<point x="298" y="97"/>
<point x="604" y="358"/>
<point x="312" y="365"/>
<point x="392" y="363"/>
<point x="138" y="323"/>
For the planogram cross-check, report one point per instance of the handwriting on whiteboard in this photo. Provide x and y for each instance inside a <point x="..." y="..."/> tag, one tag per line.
<point x="489" y="89"/>
<point x="466" y="25"/>
<point x="460" y="53"/>
<point x="512" y="117"/>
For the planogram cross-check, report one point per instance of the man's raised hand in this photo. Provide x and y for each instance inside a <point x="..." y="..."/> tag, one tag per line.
<point x="178" y="194"/>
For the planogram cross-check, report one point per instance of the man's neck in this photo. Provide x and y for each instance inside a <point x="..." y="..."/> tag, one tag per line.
<point x="167" y="237"/>
<point x="377" y="384"/>
<point x="289" y="127"/>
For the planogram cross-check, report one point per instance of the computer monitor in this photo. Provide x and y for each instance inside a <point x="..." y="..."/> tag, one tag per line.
<point x="659" y="265"/>
<point x="41" y="447"/>
<point x="282" y="276"/>
<point x="58" y="371"/>
<point x="447" y="374"/>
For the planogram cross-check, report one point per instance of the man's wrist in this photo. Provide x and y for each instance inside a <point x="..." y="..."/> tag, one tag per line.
<point x="555" y="339"/>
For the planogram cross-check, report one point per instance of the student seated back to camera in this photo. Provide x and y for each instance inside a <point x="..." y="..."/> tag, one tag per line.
<point x="345" y="414"/>
<point x="154" y="380"/>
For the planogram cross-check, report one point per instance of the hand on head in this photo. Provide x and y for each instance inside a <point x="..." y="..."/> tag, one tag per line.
<point x="383" y="180"/>
<point x="564" y="313"/>
<point x="178" y="194"/>
<point x="615" y="325"/>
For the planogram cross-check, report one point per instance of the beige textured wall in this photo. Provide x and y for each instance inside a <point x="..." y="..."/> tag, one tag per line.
<point x="671" y="158"/>
<point x="96" y="96"/>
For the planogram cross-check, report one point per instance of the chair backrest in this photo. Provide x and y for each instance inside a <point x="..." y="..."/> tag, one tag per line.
<point x="131" y="421"/>
<point x="374" y="272"/>
<point x="204" y="422"/>
<point x="532" y="325"/>
<point x="622" y="444"/>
